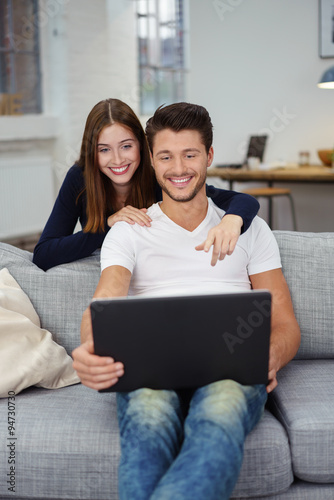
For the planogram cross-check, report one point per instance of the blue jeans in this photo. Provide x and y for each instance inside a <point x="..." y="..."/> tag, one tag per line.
<point x="177" y="445"/>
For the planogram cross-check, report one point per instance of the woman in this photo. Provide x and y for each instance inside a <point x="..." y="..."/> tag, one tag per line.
<point x="113" y="181"/>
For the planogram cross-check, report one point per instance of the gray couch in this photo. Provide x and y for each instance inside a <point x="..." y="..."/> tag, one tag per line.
<point x="67" y="439"/>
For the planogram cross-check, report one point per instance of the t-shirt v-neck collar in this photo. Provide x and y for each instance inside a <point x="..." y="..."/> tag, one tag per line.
<point x="197" y="230"/>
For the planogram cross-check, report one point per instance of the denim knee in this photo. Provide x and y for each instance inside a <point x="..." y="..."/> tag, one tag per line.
<point x="227" y="403"/>
<point x="149" y="409"/>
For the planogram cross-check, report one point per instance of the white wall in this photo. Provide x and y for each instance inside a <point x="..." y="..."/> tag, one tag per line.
<point x="93" y="57"/>
<point x="255" y="66"/>
<point x="260" y="59"/>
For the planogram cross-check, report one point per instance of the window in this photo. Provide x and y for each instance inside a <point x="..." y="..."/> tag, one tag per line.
<point x="160" y="26"/>
<point x="20" y="80"/>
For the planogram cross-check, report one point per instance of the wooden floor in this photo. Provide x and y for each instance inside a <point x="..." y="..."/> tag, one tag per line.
<point x="24" y="242"/>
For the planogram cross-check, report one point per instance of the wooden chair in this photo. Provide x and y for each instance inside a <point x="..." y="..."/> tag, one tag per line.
<point x="270" y="193"/>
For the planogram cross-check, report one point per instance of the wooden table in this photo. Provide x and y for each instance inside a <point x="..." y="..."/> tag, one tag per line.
<point x="307" y="174"/>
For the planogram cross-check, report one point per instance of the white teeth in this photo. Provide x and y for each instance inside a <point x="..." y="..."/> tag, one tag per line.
<point x="180" y="181"/>
<point x="120" y="169"/>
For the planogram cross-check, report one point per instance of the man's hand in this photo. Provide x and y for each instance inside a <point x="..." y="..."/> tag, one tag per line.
<point x="274" y="366"/>
<point x="131" y="215"/>
<point x="96" y="372"/>
<point x="223" y="238"/>
<point x="100" y="372"/>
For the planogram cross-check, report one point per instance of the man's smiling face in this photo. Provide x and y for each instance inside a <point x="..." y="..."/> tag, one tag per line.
<point x="180" y="162"/>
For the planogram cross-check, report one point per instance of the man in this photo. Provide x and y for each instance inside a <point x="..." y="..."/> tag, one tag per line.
<point x="184" y="445"/>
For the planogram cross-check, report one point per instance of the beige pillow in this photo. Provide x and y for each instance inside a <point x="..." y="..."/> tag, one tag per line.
<point x="28" y="355"/>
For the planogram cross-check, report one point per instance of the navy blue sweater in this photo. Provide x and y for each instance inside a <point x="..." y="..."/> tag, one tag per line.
<point x="58" y="244"/>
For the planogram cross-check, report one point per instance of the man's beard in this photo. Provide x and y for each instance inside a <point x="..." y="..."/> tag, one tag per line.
<point x="186" y="197"/>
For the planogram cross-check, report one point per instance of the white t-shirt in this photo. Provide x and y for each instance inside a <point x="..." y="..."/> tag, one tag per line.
<point x="163" y="260"/>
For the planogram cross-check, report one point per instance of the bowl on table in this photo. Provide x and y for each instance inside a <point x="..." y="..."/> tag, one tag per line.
<point x="325" y="156"/>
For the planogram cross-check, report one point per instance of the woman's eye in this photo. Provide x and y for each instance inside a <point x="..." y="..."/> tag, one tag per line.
<point x="103" y="150"/>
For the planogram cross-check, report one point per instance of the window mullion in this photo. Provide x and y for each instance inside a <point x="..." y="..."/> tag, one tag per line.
<point x="37" y="56"/>
<point x="157" y="77"/>
<point x="11" y="51"/>
<point x="161" y="72"/>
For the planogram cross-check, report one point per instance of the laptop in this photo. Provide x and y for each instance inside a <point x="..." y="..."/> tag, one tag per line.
<point x="185" y="341"/>
<point x="256" y="149"/>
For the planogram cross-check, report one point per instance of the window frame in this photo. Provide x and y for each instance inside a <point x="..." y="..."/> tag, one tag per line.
<point x="13" y="49"/>
<point x="157" y="67"/>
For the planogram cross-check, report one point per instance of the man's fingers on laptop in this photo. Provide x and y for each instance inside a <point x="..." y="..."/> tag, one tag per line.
<point x="99" y="377"/>
<point x="85" y="354"/>
<point x="272" y="380"/>
<point x="272" y="384"/>
<point x="93" y="369"/>
<point x="99" y="384"/>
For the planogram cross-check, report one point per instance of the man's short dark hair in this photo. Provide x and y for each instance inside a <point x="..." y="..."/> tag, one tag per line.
<point x="180" y="116"/>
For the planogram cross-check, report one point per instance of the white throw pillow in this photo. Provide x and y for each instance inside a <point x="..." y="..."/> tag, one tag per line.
<point x="28" y="355"/>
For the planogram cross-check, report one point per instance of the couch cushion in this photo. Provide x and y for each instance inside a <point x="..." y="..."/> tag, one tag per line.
<point x="308" y="265"/>
<point x="266" y="468"/>
<point x="59" y="295"/>
<point x="67" y="444"/>
<point x="304" y="403"/>
<point x="301" y="490"/>
<point x="68" y="447"/>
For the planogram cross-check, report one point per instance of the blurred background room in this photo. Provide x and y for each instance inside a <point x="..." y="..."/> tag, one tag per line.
<point x="254" y="64"/>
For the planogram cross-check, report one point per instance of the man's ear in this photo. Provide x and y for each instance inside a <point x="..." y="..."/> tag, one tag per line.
<point x="210" y="157"/>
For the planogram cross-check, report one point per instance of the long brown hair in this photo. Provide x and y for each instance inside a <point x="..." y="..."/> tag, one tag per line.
<point x="99" y="190"/>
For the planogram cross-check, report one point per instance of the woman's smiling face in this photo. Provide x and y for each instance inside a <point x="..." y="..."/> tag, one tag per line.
<point x="118" y="153"/>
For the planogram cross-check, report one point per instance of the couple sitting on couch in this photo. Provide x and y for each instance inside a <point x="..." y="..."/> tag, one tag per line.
<point x="183" y="444"/>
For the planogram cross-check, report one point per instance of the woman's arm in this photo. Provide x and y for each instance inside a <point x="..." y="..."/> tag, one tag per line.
<point x="240" y="210"/>
<point x="57" y="244"/>
<point x="241" y="204"/>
